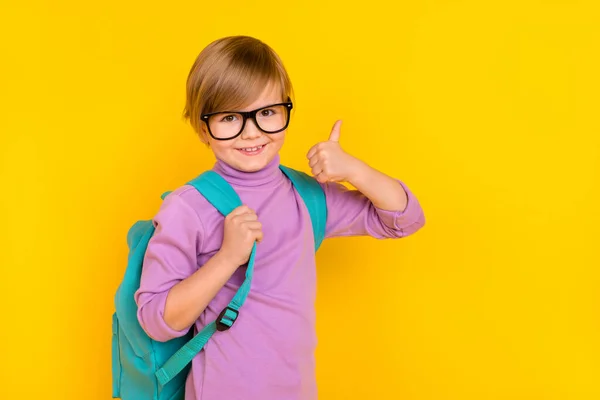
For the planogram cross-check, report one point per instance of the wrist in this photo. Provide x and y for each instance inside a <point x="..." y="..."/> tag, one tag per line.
<point x="224" y="258"/>
<point x="358" y="171"/>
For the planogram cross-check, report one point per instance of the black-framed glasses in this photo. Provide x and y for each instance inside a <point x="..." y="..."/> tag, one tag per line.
<point x="226" y="125"/>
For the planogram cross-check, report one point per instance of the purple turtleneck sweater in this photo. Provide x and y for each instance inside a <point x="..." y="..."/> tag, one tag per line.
<point x="268" y="354"/>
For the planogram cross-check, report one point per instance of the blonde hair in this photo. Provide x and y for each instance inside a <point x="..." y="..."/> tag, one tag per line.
<point x="231" y="73"/>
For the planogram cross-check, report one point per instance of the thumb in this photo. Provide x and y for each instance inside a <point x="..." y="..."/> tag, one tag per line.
<point x="335" y="132"/>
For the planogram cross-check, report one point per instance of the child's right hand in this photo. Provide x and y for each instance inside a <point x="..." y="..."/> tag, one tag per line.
<point x="242" y="229"/>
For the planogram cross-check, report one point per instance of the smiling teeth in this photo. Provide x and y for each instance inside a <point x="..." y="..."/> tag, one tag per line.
<point x="253" y="148"/>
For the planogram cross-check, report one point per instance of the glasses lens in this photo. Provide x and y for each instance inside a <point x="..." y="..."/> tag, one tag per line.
<point x="272" y="119"/>
<point x="225" y="125"/>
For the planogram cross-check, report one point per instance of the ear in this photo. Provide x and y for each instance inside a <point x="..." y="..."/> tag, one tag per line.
<point x="203" y="135"/>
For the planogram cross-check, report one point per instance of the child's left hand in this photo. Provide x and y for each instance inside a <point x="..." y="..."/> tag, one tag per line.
<point x="329" y="162"/>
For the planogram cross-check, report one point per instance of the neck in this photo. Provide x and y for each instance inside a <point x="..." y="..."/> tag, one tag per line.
<point x="269" y="175"/>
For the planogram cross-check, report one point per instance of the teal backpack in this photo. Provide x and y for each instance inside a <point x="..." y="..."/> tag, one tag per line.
<point x="145" y="369"/>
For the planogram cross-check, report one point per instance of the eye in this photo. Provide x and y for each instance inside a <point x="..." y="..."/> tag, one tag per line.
<point x="267" y="112"/>
<point x="228" y="118"/>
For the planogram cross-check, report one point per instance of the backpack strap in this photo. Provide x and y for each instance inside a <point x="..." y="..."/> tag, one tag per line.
<point x="222" y="196"/>
<point x="314" y="198"/>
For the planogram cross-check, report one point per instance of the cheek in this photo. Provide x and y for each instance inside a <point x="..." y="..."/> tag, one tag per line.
<point x="278" y="139"/>
<point x="220" y="147"/>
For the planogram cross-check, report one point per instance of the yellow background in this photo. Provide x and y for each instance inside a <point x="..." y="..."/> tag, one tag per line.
<point x="488" y="110"/>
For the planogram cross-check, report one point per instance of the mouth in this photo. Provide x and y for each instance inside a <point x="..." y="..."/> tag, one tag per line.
<point x="252" y="151"/>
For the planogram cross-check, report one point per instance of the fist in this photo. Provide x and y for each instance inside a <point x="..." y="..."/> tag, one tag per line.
<point x="328" y="161"/>
<point x="241" y="230"/>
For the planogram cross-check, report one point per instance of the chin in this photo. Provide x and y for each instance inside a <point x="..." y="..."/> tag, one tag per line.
<point x="252" y="164"/>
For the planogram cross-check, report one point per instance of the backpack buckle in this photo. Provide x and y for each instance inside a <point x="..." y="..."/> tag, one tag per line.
<point x="226" y="318"/>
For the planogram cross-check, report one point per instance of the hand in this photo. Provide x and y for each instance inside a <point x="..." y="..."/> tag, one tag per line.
<point x="329" y="162"/>
<point x="241" y="230"/>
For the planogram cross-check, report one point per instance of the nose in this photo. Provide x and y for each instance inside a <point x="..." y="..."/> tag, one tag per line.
<point x="251" y="131"/>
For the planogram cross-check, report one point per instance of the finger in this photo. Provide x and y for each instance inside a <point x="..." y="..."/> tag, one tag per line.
<point x="321" y="177"/>
<point x="336" y="131"/>
<point x="316" y="170"/>
<point x="248" y="217"/>
<point x="253" y="225"/>
<point x="256" y="233"/>
<point x="239" y="211"/>
<point x="313" y="161"/>
<point x="312" y="152"/>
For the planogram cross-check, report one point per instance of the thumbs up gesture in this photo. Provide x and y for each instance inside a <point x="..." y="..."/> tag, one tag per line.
<point x="329" y="162"/>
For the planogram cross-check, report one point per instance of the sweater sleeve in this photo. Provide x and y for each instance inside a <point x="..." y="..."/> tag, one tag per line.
<point x="171" y="256"/>
<point x="350" y="213"/>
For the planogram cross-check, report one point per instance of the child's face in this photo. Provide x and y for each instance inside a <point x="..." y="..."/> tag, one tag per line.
<point x="235" y="152"/>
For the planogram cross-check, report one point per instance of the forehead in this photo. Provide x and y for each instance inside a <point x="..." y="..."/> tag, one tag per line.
<point x="270" y="95"/>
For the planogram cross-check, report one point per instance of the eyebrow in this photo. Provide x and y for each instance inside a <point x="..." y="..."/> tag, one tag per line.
<point x="258" y="108"/>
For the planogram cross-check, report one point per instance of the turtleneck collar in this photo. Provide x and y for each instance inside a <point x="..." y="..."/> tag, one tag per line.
<point x="269" y="176"/>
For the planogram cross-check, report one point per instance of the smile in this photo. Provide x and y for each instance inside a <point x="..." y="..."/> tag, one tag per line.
<point x="252" y="151"/>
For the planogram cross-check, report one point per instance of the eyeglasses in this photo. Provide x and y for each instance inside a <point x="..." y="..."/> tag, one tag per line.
<point x="226" y="125"/>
